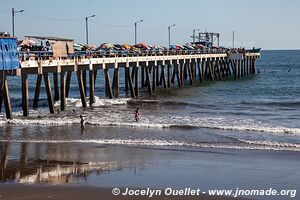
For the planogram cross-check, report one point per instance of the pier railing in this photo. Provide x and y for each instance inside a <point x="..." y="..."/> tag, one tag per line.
<point x="26" y="55"/>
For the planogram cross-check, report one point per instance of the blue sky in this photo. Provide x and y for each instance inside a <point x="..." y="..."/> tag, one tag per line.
<point x="270" y="24"/>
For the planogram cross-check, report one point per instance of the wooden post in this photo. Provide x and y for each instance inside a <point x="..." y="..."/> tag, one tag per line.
<point x="136" y="89"/>
<point x="92" y="86"/>
<point x="25" y="106"/>
<point x="5" y="96"/>
<point x="203" y="64"/>
<point x="154" y="78"/>
<point x="148" y="80"/>
<point x="194" y="70"/>
<point x="247" y="66"/>
<point x="132" y="74"/>
<point x="199" y="72"/>
<point x="132" y="93"/>
<point x="95" y="76"/>
<point x="190" y="73"/>
<point x="157" y="75"/>
<point x="219" y="69"/>
<point x="169" y="75"/>
<point x="1" y="97"/>
<point x="143" y="76"/>
<point x="242" y="67"/>
<point x="84" y="81"/>
<point x="62" y="90"/>
<point x="68" y="82"/>
<point x="56" y="88"/>
<point x="163" y="77"/>
<point x="239" y="68"/>
<point x="108" y="90"/>
<point x="254" y="65"/>
<point x="173" y="74"/>
<point x="81" y="88"/>
<point x="116" y="82"/>
<point x="211" y="70"/>
<point x="49" y="93"/>
<point x="37" y="91"/>
<point x="177" y="73"/>
<point x="184" y="70"/>
<point x="236" y="70"/>
<point x="181" y="73"/>
<point x="126" y="79"/>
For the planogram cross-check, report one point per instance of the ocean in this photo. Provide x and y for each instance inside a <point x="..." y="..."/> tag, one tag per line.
<point x="259" y="113"/>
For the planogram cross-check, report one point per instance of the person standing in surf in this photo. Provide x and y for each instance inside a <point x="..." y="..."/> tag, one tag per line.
<point x="81" y="122"/>
<point x="137" y="115"/>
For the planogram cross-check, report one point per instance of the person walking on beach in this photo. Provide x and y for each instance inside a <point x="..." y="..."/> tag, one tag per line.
<point x="137" y="115"/>
<point x="81" y="122"/>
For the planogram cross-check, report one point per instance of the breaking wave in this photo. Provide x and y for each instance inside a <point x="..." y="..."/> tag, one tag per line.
<point x="242" y="145"/>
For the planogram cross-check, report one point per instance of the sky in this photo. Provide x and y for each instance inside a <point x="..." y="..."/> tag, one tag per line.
<point x="269" y="24"/>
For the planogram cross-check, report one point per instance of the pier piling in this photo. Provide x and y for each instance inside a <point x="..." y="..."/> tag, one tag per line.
<point x="49" y="93"/>
<point x="37" y="91"/>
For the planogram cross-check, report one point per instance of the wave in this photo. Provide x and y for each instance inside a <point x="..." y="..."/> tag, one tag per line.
<point x="243" y="145"/>
<point x="97" y="102"/>
<point x="274" y="103"/>
<point x="123" y="119"/>
<point x="163" y="102"/>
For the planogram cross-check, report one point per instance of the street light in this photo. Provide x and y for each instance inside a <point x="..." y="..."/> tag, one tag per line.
<point x="169" y="29"/>
<point x="87" y="28"/>
<point x="135" y="30"/>
<point x="13" y="12"/>
<point x="194" y="35"/>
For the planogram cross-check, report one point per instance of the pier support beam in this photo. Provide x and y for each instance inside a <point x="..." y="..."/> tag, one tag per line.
<point x="190" y="71"/>
<point x="203" y="64"/>
<point x="108" y="90"/>
<point x="5" y="96"/>
<point x="136" y="79"/>
<point x="81" y="88"/>
<point x="1" y="98"/>
<point x="154" y="77"/>
<point x="129" y="82"/>
<point x="219" y="69"/>
<point x="62" y="91"/>
<point x="37" y="91"/>
<point x="163" y="77"/>
<point x="116" y="83"/>
<point x="56" y="88"/>
<point x="68" y="83"/>
<point x="25" y="106"/>
<point x="169" y="82"/>
<point x="84" y="81"/>
<point x="148" y="80"/>
<point x="49" y="93"/>
<point x="176" y="73"/>
<point x="211" y="70"/>
<point x="126" y="79"/>
<point x="143" y="76"/>
<point x="92" y="86"/>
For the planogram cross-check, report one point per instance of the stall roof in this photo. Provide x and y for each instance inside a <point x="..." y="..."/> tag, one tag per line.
<point x="50" y="38"/>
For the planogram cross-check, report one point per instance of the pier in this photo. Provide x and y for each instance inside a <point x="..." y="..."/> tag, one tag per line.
<point x="146" y="71"/>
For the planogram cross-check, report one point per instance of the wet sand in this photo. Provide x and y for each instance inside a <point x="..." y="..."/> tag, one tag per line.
<point x="80" y="193"/>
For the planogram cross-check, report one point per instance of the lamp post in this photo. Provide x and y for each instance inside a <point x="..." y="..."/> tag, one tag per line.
<point x="194" y="35"/>
<point x="87" y="28"/>
<point x="135" y="30"/>
<point x="13" y="12"/>
<point x="233" y="39"/>
<point x="169" y="29"/>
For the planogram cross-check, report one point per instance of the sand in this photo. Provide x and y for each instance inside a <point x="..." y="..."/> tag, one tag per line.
<point x="20" y="192"/>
